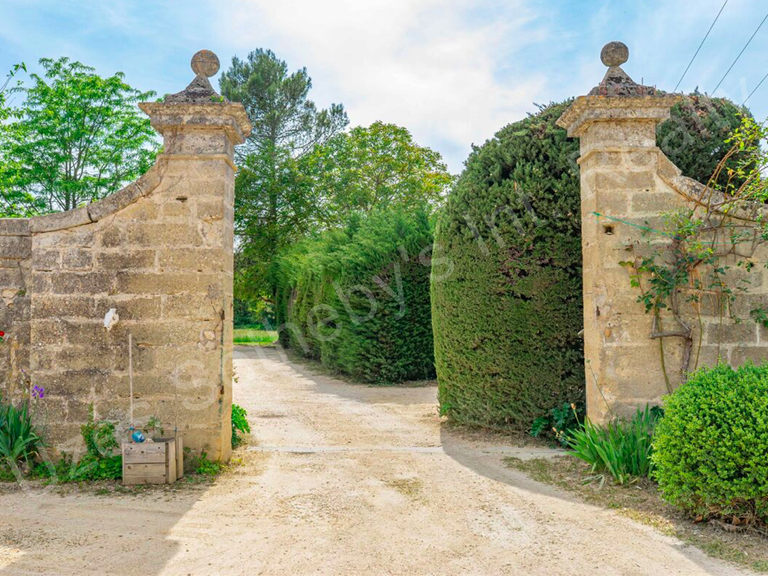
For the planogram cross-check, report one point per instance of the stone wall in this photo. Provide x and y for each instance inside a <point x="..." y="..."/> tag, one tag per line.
<point x="160" y="252"/>
<point x="15" y="271"/>
<point x="627" y="183"/>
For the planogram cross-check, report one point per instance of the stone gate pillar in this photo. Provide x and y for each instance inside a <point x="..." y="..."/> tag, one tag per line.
<point x="159" y="253"/>
<point x="620" y="185"/>
<point x="200" y="130"/>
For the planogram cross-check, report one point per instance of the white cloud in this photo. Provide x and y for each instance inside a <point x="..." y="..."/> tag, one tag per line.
<point x="433" y="66"/>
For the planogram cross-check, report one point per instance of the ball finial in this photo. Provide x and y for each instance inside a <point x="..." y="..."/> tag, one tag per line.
<point x="205" y="63"/>
<point x="614" y="54"/>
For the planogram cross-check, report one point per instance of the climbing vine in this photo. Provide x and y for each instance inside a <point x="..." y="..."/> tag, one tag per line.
<point x="707" y="250"/>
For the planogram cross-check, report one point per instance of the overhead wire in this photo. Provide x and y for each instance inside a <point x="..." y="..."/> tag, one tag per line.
<point x="740" y="53"/>
<point x="700" y="45"/>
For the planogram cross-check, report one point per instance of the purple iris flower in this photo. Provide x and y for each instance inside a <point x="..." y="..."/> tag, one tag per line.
<point x="38" y="392"/>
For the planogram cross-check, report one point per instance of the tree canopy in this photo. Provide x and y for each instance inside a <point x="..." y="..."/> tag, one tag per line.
<point x="13" y="202"/>
<point x="378" y="166"/>
<point x="76" y="137"/>
<point x="273" y="203"/>
<point x="301" y="172"/>
<point x="278" y="105"/>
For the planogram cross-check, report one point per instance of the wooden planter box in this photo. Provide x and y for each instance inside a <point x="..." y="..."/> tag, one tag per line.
<point x="158" y="462"/>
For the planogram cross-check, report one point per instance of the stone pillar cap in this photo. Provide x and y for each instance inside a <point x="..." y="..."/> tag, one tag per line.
<point x="617" y="97"/>
<point x="198" y="106"/>
<point x="588" y="109"/>
<point x="205" y="64"/>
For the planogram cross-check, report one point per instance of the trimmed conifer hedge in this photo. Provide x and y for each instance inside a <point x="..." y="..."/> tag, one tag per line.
<point x="507" y="320"/>
<point x="358" y="299"/>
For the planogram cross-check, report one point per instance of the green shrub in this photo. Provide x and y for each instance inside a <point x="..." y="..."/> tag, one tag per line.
<point x="240" y="425"/>
<point x="358" y="299"/>
<point x="100" y="461"/>
<point x="711" y="449"/>
<point x="621" y="449"/>
<point x="507" y="317"/>
<point x="557" y="424"/>
<point x="694" y="136"/>
<point x="205" y="467"/>
<point x="19" y="439"/>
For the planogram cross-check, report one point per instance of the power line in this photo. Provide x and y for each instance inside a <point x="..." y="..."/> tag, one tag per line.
<point x="755" y="90"/>
<point x="700" y="45"/>
<point x="740" y="53"/>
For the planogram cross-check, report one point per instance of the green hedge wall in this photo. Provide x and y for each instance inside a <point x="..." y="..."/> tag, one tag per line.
<point x="358" y="299"/>
<point x="507" y="319"/>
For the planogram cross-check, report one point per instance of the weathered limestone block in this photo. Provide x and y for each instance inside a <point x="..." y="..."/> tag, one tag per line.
<point x="60" y="220"/>
<point x="15" y="247"/>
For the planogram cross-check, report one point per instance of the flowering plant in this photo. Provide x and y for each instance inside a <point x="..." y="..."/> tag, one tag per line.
<point x="2" y="336"/>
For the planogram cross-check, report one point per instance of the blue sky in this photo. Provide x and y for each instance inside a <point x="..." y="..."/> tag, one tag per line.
<point x="452" y="71"/>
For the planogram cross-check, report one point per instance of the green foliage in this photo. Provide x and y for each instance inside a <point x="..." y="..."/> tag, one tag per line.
<point x="273" y="202"/>
<point x="14" y="203"/>
<point x="621" y="450"/>
<point x="205" y="467"/>
<point x="711" y="449"/>
<point x="240" y="425"/>
<point x="19" y="438"/>
<point x="507" y="294"/>
<point x="277" y="104"/>
<point x="358" y="299"/>
<point x="696" y="136"/>
<point x="76" y="138"/>
<point x="557" y="424"/>
<point x="100" y="461"/>
<point x="247" y="336"/>
<point x="379" y="166"/>
<point x="507" y="317"/>
<point x="252" y="314"/>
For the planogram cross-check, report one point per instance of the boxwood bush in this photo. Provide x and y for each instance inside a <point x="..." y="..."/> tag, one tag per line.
<point x="507" y="318"/>
<point x="711" y="448"/>
<point x="357" y="299"/>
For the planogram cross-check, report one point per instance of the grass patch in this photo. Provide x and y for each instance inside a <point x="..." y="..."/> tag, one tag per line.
<point x="246" y="336"/>
<point x="642" y="502"/>
<point x="410" y="487"/>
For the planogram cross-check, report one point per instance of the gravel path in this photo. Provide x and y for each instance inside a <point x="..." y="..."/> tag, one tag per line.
<point x="340" y="479"/>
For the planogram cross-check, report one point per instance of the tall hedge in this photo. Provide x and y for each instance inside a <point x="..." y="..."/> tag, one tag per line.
<point x="358" y="299"/>
<point x="507" y="319"/>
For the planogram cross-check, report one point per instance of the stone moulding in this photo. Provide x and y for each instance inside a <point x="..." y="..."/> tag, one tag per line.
<point x="168" y="116"/>
<point x="695" y="192"/>
<point x="586" y="109"/>
<point x="97" y="210"/>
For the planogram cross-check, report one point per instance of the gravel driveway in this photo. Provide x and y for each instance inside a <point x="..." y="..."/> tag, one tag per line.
<point x="339" y="479"/>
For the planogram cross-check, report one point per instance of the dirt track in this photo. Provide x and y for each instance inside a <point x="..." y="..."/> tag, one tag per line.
<point x="342" y="479"/>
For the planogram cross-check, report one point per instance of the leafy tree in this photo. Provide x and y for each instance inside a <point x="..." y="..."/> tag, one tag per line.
<point x="274" y="203"/>
<point x="377" y="166"/>
<point x="13" y="202"/>
<point x="76" y="138"/>
<point x="278" y="106"/>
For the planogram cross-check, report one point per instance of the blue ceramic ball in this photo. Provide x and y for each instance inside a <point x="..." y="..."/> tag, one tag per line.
<point x="138" y="437"/>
